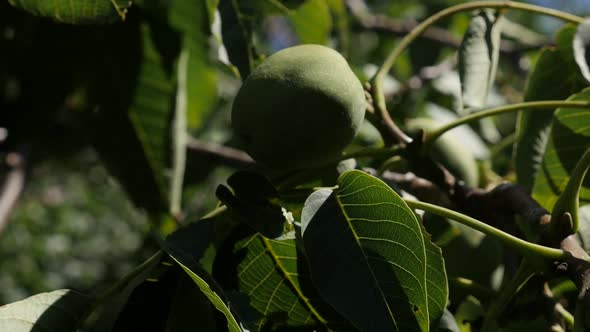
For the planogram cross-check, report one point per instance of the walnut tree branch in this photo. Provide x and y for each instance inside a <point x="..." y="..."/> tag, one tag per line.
<point x="221" y="154"/>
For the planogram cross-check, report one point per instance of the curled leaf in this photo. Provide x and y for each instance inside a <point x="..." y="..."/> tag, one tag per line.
<point x="580" y="44"/>
<point x="478" y="58"/>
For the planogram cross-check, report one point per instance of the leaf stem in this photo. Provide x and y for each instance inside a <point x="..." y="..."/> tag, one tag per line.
<point x="214" y="213"/>
<point x="530" y="106"/>
<point x="524" y="247"/>
<point x="122" y="12"/>
<point x="566" y="315"/>
<point x="179" y="138"/>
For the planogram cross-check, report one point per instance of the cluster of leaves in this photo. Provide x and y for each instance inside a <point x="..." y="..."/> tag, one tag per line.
<point x="330" y="248"/>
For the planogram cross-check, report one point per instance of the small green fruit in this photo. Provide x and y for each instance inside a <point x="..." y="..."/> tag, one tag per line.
<point x="298" y="108"/>
<point x="450" y="152"/>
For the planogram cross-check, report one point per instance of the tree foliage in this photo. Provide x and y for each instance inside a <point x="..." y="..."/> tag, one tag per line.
<point x="405" y="230"/>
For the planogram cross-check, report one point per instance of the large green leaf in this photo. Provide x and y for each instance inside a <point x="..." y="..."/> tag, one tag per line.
<point x="196" y="87"/>
<point x="341" y="23"/>
<point x="313" y="22"/>
<point x="362" y="240"/>
<point x="76" y="11"/>
<point x="58" y="311"/>
<point x="193" y="20"/>
<point x="555" y="76"/>
<point x="275" y="278"/>
<point x="570" y="137"/>
<point x="151" y="108"/>
<point x="111" y="82"/>
<point x="130" y="115"/>
<point x="478" y="58"/>
<point x="169" y="88"/>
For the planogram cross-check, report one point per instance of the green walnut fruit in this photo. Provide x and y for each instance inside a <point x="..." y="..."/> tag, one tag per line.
<point x="450" y="152"/>
<point x="300" y="107"/>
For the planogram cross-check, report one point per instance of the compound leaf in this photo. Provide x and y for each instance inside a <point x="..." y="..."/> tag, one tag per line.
<point x="555" y="64"/>
<point x="569" y="139"/>
<point x="363" y="238"/>
<point x="276" y="279"/>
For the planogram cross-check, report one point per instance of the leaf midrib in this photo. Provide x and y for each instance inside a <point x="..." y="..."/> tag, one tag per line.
<point x="286" y="275"/>
<point x="356" y="239"/>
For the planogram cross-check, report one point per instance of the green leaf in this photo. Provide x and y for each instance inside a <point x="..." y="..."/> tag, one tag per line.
<point x="568" y="201"/>
<point x="255" y="202"/>
<point x="106" y="315"/>
<point x="569" y="139"/>
<point x="341" y="23"/>
<point x="59" y="311"/>
<point x="151" y="108"/>
<point x="76" y="11"/>
<point x="193" y="20"/>
<point x="364" y="240"/>
<point x="478" y="58"/>
<point x="132" y="102"/>
<point x="554" y="65"/>
<point x="312" y="22"/>
<point x="190" y="308"/>
<point x="238" y="21"/>
<point x="170" y="87"/>
<point x="114" y="75"/>
<point x="275" y="278"/>
<point x="196" y="88"/>
<point x="237" y="28"/>
<point x="468" y="313"/>
<point x="205" y="283"/>
<point x="437" y="286"/>
<point x="580" y="46"/>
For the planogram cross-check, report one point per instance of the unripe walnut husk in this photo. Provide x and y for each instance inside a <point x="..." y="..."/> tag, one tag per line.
<point x="299" y="108"/>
